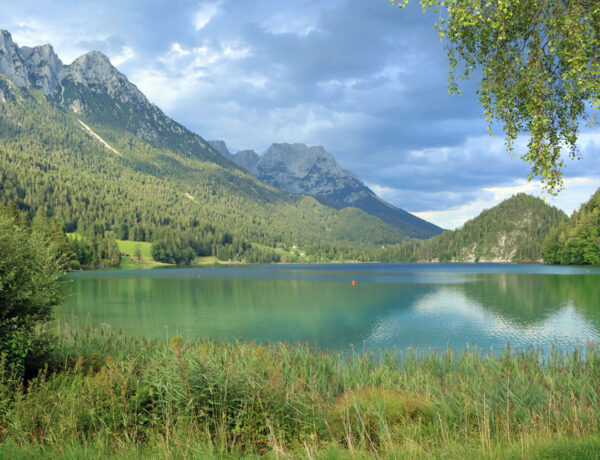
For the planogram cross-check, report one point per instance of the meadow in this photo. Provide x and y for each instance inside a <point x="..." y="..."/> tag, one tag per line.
<point x="105" y="394"/>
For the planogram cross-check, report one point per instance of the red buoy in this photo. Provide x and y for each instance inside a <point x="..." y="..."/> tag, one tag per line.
<point x="353" y="283"/>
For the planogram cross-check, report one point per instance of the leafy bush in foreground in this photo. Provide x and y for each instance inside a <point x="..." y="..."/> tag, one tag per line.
<point x="29" y="270"/>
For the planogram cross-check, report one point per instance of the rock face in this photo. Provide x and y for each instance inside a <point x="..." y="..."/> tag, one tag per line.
<point x="44" y="68"/>
<point x="297" y="168"/>
<point x="311" y="170"/>
<point x="11" y="61"/>
<point x="37" y="67"/>
<point x="92" y="87"/>
<point x="248" y="159"/>
<point x="221" y="147"/>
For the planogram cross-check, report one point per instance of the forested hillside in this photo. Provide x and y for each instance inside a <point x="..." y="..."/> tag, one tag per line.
<point x="97" y="179"/>
<point x="576" y="241"/>
<point x="512" y="231"/>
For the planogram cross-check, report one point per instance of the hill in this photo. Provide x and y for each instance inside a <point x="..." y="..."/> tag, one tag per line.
<point x="84" y="145"/>
<point x="299" y="169"/>
<point x="576" y="241"/>
<point x="512" y="231"/>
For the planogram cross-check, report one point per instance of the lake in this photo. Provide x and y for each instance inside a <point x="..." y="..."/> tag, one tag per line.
<point x="390" y="305"/>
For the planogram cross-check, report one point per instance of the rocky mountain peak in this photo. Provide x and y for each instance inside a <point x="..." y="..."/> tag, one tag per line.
<point x="94" y="68"/>
<point x="221" y="147"/>
<point x="248" y="159"/>
<point x="11" y="61"/>
<point x="300" y="161"/>
<point x="93" y="73"/>
<point x="6" y="40"/>
<point x="298" y="168"/>
<point x="44" y="67"/>
<point x="38" y="67"/>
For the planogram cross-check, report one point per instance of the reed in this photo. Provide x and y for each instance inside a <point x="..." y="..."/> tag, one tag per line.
<point x="107" y="394"/>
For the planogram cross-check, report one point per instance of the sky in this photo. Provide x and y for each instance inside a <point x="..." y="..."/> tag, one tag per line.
<point x="363" y="78"/>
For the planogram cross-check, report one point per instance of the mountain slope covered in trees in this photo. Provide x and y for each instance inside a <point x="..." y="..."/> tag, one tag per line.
<point x="84" y="145"/>
<point x="50" y="160"/>
<point x="576" y="241"/>
<point x="512" y="231"/>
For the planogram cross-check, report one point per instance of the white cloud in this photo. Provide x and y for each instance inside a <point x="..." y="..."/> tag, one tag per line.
<point x="205" y="55"/>
<point x="125" y="55"/>
<point x="191" y="73"/>
<point x="204" y="14"/>
<point x="455" y="217"/>
<point x="289" y="24"/>
<point x="177" y="50"/>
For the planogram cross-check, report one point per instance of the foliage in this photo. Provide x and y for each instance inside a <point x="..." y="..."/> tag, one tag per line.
<point x="48" y="162"/>
<point x="30" y="267"/>
<point x="105" y="392"/>
<point x="539" y="65"/>
<point x="512" y="231"/>
<point x="576" y="241"/>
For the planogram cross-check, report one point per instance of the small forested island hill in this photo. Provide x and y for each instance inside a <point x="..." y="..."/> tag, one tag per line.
<point x="163" y="297"/>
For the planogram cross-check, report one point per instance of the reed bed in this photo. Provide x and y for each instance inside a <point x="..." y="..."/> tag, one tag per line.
<point x="105" y="394"/>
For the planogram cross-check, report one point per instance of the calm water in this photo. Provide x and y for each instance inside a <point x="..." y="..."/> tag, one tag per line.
<point x="392" y="305"/>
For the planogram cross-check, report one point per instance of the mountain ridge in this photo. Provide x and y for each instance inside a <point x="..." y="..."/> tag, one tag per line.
<point x="99" y="94"/>
<point x="300" y="169"/>
<point x="97" y="91"/>
<point x="165" y="184"/>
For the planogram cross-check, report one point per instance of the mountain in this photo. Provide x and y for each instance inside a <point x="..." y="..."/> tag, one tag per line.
<point x="96" y="91"/>
<point x="221" y="147"/>
<point x="512" y="231"/>
<point x="83" y="144"/>
<point x="297" y="168"/>
<point x="247" y="159"/>
<point x="576" y="241"/>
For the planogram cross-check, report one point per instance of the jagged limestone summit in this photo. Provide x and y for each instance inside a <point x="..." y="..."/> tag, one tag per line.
<point x="297" y="168"/>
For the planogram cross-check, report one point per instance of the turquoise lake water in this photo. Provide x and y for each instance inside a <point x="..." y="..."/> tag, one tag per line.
<point x="390" y="306"/>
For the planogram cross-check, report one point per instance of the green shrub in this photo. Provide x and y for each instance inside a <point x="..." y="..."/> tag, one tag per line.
<point x="30" y="268"/>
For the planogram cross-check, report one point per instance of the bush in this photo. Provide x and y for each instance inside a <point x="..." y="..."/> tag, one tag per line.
<point x="30" y="268"/>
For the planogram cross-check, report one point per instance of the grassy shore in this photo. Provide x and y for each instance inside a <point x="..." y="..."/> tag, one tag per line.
<point x="105" y="394"/>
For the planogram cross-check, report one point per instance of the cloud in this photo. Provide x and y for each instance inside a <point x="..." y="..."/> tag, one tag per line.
<point x="204" y="14"/>
<point x="283" y="23"/>
<point x="187" y="75"/>
<point x="126" y="54"/>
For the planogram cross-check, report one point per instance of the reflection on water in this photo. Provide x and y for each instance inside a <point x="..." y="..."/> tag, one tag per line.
<point x="391" y="305"/>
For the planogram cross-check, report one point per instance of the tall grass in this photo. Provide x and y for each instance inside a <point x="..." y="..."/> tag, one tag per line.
<point x="105" y="393"/>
